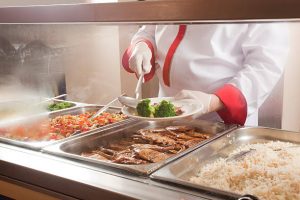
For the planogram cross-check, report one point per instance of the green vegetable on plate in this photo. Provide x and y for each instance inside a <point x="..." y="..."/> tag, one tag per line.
<point x="162" y="109"/>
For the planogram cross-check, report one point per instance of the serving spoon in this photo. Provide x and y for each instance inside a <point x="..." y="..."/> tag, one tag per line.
<point x="130" y="101"/>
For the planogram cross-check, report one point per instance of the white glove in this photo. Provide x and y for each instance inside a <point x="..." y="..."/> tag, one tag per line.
<point x="196" y="97"/>
<point x="140" y="59"/>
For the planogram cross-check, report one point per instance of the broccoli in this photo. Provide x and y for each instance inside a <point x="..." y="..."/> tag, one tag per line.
<point x="144" y="108"/>
<point x="165" y="109"/>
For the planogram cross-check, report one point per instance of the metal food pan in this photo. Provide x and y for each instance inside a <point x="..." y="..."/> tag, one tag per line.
<point x="73" y="148"/>
<point x="74" y="105"/>
<point x="37" y="145"/>
<point x="180" y="171"/>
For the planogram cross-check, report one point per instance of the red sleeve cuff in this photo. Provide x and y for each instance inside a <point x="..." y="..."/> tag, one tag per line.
<point x="235" y="111"/>
<point x="127" y="54"/>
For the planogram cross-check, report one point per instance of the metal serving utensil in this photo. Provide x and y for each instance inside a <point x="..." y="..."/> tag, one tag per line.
<point x="240" y="155"/>
<point x="105" y="107"/>
<point x="139" y="85"/>
<point x="51" y="99"/>
<point x="130" y="101"/>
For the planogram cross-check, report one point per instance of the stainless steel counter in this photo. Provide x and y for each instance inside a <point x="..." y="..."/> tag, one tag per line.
<point x="84" y="181"/>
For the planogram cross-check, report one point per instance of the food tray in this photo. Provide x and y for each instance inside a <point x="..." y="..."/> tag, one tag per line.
<point x="74" y="105"/>
<point x="37" y="145"/>
<point x="180" y="171"/>
<point x="73" y="148"/>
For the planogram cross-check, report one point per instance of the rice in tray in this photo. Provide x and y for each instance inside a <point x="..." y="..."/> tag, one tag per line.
<point x="272" y="171"/>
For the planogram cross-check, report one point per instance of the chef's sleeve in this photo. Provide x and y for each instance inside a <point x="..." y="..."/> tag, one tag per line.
<point x="265" y="50"/>
<point x="145" y="34"/>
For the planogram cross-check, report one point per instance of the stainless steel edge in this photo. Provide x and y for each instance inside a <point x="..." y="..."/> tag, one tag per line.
<point x="180" y="170"/>
<point x="198" y="11"/>
<point x="87" y="140"/>
<point x="80" y="109"/>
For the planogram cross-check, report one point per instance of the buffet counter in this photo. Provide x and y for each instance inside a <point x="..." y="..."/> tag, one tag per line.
<point x="113" y="156"/>
<point x="71" y="179"/>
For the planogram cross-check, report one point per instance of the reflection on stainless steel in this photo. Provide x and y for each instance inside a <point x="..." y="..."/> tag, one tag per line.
<point x="182" y="170"/>
<point x="75" y="147"/>
<point x="72" y="111"/>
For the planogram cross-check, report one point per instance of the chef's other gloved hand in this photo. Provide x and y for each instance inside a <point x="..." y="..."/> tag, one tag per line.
<point x="210" y="102"/>
<point x="140" y="59"/>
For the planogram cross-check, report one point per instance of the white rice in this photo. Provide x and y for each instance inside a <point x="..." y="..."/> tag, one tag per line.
<point x="265" y="173"/>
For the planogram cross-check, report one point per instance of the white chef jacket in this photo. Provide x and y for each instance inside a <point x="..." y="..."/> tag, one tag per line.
<point x="248" y="57"/>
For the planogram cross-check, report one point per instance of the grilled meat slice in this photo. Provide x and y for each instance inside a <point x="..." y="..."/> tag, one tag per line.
<point x="156" y="138"/>
<point x="108" y="151"/>
<point x="100" y="153"/>
<point x="94" y="156"/>
<point x="128" y="157"/>
<point x="179" y="128"/>
<point x="192" y="142"/>
<point x="158" y="130"/>
<point x="186" y="132"/>
<point x="153" y="147"/>
<point x="183" y="136"/>
<point x="138" y="139"/>
<point x="121" y="145"/>
<point x="180" y="132"/>
<point x="163" y="132"/>
<point x="151" y="155"/>
<point x="195" y="134"/>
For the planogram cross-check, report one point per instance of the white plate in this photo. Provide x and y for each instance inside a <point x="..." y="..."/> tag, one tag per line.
<point x="188" y="106"/>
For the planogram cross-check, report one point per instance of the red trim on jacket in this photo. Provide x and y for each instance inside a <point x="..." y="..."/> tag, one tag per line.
<point x="235" y="110"/>
<point x="171" y="51"/>
<point x="127" y="54"/>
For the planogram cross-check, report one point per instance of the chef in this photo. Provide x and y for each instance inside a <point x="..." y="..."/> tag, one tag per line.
<point x="229" y="68"/>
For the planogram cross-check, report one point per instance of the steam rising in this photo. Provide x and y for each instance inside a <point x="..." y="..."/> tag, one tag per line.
<point x="17" y="101"/>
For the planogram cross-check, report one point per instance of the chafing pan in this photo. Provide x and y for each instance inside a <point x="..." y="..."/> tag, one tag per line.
<point x="73" y="105"/>
<point x="73" y="148"/>
<point x="180" y="171"/>
<point x="37" y="145"/>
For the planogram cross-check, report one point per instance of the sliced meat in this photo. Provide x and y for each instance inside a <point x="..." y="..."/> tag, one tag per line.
<point x="153" y="147"/>
<point x="100" y="153"/>
<point x="157" y="138"/>
<point x="108" y="151"/>
<point x="179" y="128"/>
<point x="121" y="145"/>
<point x="192" y="142"/>
<point x="184" y="136"/>
<point x="94" y="156"/>
<point x="128" y="157"/>
<point x="151" y="155"/>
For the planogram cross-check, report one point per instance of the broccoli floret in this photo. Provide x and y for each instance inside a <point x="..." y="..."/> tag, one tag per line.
<point x="144" y="108"/>
<point x="165" y="109"/>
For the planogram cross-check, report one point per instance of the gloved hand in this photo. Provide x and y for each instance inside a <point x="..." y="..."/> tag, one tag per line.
<point x="196" y="97"/>
<point x="210" y="102"/>
<point x="140" y="59"/>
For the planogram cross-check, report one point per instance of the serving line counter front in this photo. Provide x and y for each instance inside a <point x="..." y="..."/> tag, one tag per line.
<point x="63" y="178"/>
<point x="72" y="176"/>
<point x="59" y="169"/>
